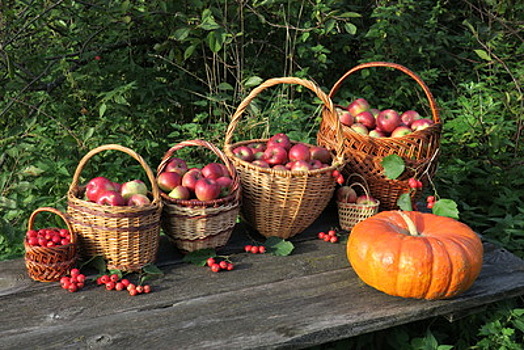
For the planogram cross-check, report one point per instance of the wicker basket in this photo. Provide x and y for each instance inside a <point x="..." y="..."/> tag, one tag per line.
<point x="126" y="237"/>
<point x="48" y="264"/>
<point x="364" y="153"/>
<point x="278" y="202"/>
<point x="350" y="214"/>
<point x="192" y="224"/>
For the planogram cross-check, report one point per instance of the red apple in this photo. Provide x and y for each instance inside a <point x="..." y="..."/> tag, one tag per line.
<point x="225" y="171"/>
<point x="300" y="165"/>
<point x="190" y="179"/>
<point x="261" y="163"/>
<point x="138" y="200"/>
<point x="388" y="120"/>
<point x="112" y="198"/>
<point x="375" y="112"/>
<point x="258" y="155"/>
<point x="315" y="164"/>
<point x="176" y="165"/>
<point x="180" y="192"/>
<point x="117" y="186"/>
<point x="212" y="171"/>
<point x="401" y="130"/>
<point x="376" y="133"/>
<point x="133" y="187"/>
<point x="359" y="129"/>
<point x="421" y="124"/>
<point x="366" y="118"/>
<point x="358" y="106"/>
<point x="366" y="200"/>
<point x="409" y="117"/>
<point x="168" y="180"/>
<point x="225" y="185"/>
<point x="207" y="189"/>
<point x="244" y="153"/>
<point x="279" y="139"/>
<point x="320" y="153"/>
<point x="346" y="194"/>
<point x="257" y="146"/>
<point x="344" y="116"/>
<point x="98" y="185"/>
<point x="279" y="167"/>
<point x="275" y="154"/>
<point x="299" y="151"/>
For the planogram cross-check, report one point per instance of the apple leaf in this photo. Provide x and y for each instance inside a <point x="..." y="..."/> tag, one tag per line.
<point x="278" y="246"/>
<point x="393" y="166"/>
<point x="151" y="269"/>
<point x="199" y="257"/>
<point x="96" y="262"/>
<point x="404" y="202"/>
<point x="446" y="207"/>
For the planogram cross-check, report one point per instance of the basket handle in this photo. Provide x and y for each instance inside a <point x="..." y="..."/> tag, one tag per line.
<point x="328" y="104"/>
<point x="128" y="151"/>
<point x="202" y="143"/>
<point x="429" y="95"/>
<point x="64" y="217"/>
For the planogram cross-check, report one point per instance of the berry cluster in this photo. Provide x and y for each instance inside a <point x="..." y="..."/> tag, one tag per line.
<point x="331" y="236"/>
<point x="430" y="201"/>
<point x="74" y="282"/>
<point x="217" y="266"/>
<point x="339" y="178"/>
<point x="114" y="282"/>
<point x="48" y="237"/>
<point x="414" y="183"/>
<point x="255" y="249"/>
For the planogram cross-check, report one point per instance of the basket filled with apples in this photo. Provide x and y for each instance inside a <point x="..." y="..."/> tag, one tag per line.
<point x="355" y="202"/>
<point x="118" y="221"/>
<point x="370" y="134"/>
<point x="50" y="252"/>
<point x="201" y="203"/>
<point x="286" y="184"/>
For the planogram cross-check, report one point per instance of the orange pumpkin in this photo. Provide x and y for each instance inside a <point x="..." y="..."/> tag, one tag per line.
<point x="415" y="255"/>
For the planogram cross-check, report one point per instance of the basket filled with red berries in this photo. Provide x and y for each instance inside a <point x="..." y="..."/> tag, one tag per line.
<point x="50" y="252"/>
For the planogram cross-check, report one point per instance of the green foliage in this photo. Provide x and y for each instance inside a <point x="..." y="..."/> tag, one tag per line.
<point x="278" y="246"/>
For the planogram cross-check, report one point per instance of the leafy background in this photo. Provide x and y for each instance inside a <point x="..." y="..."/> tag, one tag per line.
<point x="149" y="74"/>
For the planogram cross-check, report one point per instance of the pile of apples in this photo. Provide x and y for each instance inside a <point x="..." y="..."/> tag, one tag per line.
<point x="347" y="194"/>
<point x="280" y="153"/>
<point x="363" y="119"/>
<point x="178" y="181"/>
<point x="103" y="191"/>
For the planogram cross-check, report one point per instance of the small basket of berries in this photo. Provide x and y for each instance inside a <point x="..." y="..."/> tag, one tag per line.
<point x="354" y="202"/>
<point x="50" y="252"/>
<point x="201" y="204"/>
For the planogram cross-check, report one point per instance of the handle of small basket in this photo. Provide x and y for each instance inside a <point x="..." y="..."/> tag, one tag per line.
<point x="64" y="217"/>
<point x="128" y="151"/>
<point x="328" y="104"/>
<point x="429" y="95"/>
<point x="201" y="143"/>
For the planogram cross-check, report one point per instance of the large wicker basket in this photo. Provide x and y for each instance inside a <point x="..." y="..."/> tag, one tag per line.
<point x="127" y="237"/>
<point x="192" y="224"/>
<point x="364" y="154"/>
<point x="278" y="202"/>
<point x="48" y="264"/>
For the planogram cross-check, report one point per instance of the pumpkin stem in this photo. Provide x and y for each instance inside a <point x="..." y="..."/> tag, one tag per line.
<point x="411" y="225"/>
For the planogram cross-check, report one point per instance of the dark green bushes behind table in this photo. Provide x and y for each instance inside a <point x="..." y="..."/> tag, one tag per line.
<point x="148" y="74"/>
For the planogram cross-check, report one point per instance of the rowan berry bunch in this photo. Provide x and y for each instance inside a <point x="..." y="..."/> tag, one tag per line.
<point x="48" y="237"/>
<point x="331" y="236"/>
<point x="255" y="249"/>
<point x="430" y="201"/>
<point x="339" y="178"/>
<point x="218" y="265"/>
<point x="74" y="282"/>
<point x="115" y="282"/>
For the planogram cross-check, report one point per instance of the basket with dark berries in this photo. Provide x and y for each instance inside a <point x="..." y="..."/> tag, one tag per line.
<point x="50" y="252"/>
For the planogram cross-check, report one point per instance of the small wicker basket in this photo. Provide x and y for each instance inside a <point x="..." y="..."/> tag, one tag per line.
<point x="48" y="264"/>
<point x="127" y="237"/>
<point x="192" y="224"/>
<point x="364" y="154"/>
<point x="278" y="202"/>
<point x="350" y="214"/>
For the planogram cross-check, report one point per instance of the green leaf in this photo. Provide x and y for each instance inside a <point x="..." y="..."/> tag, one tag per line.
<point x="393" y="166"/>
<point x="253" y="81"/>
<point x="278" y="246"/>
<point x="225" y="86"/>
<point x="151" y="269"/>
<point x="350" y="28"/>
<point x="115" y="272"/>
<point x="350" y="15"/>
<point x="404" y="202"/>
<point x="96" y="262"/>
<point x="181" y="33"/>
<point x="483" y="54"/>
<point x="215" y="40"/>
<point x="446" y="207"/>
<point x="199" y="257"/>
<point x="102" y="110"/>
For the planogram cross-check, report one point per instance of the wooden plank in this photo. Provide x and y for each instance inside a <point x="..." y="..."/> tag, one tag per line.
<point x="308" y="298"/>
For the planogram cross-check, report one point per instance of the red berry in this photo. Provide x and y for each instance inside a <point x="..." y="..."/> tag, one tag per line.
<point x="98" y="58"/>
<point x="63" y="232"/>
<point x="139" y="289"/>
<point x="210" y="261"/>
<point x="72" y="288"/>
<point x="412" y="182"/>
<point x="80" y="285"/>
<point x="147" y="288"/>
<point x="114" y="278"/>
<point x="42" y="242"/>
<point x="261" y="249"/>
<point x="340" y="180"/>
<point x="80" y="278"/>
<point x="332" y="233"/>
<point x="64" y="241"/>
<point x="32" y="233"/>
<point x="230" y="266"/>
<point x="419" y="184"/>
<point x="132" y="292"/>
<point x="110" y="285"/>
<point x="75" y="272"/>
<point x="99" y="281"/>
<point x="430" y="199"/>
<point x="327" y="238"/>
<point x="104" y="279"/>
<point x="215" y="267"/>
<point x="335" y="173"/>
<point x="73" y="279"/>
<point x="125" y="282"/>
<point x="64" y="279"/>
<point x="321" y="235"/>
<point x="32" y="241"/>
<point x="430" y="205"/>
<point x="333" y="239"/>
<point x="119" y="286"/>
<point x="247" y="248"/>
<point x="254" y="249"/>
<point x="50" y="244"/>
<point x="223" y="264"/>
<point x="130" y="287"/>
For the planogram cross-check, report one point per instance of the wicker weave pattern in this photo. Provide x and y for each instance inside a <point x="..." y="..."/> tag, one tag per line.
<point x="191" y="224"/>
<point x="420" y="149"/>
<point x="277" y="202"/>
<point x="127" y="237"/>
<point x="48" y="264"/>
<point x="350" y="214"/>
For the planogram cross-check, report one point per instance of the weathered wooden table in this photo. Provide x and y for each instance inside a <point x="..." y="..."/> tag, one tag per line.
<point x="307" y="298"/>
